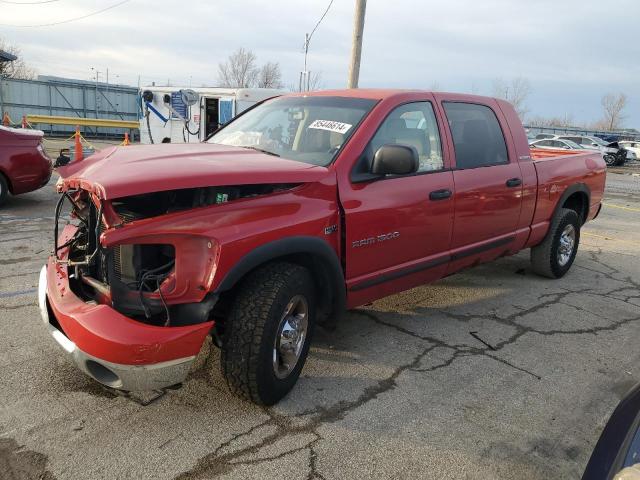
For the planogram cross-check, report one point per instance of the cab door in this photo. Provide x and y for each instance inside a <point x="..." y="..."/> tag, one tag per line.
<point x="398" y="229"/>
<point x="488" y="183"/>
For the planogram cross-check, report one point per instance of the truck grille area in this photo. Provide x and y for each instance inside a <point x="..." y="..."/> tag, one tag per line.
<point x="127" y="277"/>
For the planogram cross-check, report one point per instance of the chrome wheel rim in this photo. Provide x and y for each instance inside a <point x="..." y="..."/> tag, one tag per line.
<point x="290" y="336"/>
<point x="567" y="244"/>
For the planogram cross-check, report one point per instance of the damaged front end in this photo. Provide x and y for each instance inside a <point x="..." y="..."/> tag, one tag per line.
<point x="158" y="278"/>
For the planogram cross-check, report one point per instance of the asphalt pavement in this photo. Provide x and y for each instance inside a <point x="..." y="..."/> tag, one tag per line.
<point x="491" y="373"/>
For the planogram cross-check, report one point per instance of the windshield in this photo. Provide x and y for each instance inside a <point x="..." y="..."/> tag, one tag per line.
<point x="599" y="141"/>
<point x="573" y="145"/>
<point x="307" y="129"/>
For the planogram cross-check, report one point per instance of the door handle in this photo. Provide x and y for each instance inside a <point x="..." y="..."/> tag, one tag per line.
<point x="440" y="194"/>
<point x="514" y="182"/>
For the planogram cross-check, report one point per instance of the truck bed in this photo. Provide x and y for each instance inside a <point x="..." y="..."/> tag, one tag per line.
<point x="545" y="153"/>
<point x="556" y="171"/>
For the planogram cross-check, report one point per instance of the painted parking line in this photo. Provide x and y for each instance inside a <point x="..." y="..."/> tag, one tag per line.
<point x="631" y="209"/>
<point x="604" y="237"/>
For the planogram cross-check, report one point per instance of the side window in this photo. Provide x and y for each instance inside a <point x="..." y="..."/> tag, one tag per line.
<point x="414" y="125"/>
<point x="477" y="137"/>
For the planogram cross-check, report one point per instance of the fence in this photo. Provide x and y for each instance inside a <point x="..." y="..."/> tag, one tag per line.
<point x="617" y="135"/>
<point x="69" y="98"/>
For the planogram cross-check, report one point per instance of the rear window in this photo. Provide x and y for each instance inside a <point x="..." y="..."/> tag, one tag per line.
<point x="477" y="137"/>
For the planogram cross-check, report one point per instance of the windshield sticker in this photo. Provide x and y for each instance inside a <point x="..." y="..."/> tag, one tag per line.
<point x="332" y="126"/>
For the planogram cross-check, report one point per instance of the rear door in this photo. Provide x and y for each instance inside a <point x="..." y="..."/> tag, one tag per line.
<point x="488" y="182"/>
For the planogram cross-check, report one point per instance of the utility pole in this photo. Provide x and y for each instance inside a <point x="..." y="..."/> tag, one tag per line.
<point x="356" y="48"/>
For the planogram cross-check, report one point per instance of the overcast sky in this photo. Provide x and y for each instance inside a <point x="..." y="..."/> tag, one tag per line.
<point x="571" y="51"/>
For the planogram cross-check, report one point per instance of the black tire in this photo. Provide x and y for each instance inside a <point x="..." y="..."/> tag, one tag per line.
<point x="610" y="160"/>
<point x="4" y="189"/>
<point x="546" y="257"/>
<point x="252" y="327"/>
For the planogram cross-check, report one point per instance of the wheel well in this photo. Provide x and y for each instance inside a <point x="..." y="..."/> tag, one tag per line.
<point x="579" y="203"/>
<point x="6" y="178"/>
<point x="329" y="303"/>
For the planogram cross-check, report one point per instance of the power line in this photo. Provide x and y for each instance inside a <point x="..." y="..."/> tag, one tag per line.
<point x="321" y="18"/>
<point x="29" y="3"/>
<point x="68" y="20"/>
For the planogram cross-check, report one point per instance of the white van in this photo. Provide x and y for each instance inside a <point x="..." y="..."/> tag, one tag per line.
<point x="167" y="118"/>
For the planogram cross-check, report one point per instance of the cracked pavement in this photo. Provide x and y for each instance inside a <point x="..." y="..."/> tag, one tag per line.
<point x="491" y="373"/>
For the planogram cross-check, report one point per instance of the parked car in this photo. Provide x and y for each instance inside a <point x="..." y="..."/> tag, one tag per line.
<point x="24" y="164"/>
<point x="632" y="146"/>
<point x="298" y="209"/>
<point x="611" y="155"/>
<point x="542" y="136"/>
<point x="623" y="153"/>
<point x="591" y="143"/>
<point x="556" y="144"/>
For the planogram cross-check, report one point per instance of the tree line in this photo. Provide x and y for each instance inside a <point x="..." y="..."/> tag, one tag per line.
<point x="518" y="90"/>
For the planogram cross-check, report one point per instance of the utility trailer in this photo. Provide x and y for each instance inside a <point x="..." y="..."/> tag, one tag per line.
<point x="167" y="116"/>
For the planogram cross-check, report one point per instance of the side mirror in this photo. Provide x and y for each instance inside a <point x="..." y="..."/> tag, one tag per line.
<point x="395" y="160"/>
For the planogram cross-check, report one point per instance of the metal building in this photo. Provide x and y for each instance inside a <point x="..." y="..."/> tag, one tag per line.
<point x="69" y="98"/>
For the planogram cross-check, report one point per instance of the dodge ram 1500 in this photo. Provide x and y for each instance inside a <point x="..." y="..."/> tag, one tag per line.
<point x="300" y="208"/>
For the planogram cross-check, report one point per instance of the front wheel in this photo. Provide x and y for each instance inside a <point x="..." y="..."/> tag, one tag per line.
<point x="268" y="332"/>
<point x="554" y="256"/>
<point x="610" y="160"/>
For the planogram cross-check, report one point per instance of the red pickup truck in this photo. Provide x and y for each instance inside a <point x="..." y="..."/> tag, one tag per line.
<point x="298" y="209"/>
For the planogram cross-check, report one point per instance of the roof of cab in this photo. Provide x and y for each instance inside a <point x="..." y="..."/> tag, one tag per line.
<point x="384" y="93"/>
<point x="370" y="93"/>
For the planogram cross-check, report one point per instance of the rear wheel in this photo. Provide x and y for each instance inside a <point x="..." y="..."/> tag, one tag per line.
<point x="4" y="189"/>
<point x="268" y="332"/>
<point x="554" y="256"/>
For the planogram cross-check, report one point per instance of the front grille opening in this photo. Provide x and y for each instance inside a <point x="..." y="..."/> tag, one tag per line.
<point x="131" y="263"/>
<point x="136" y="273"/>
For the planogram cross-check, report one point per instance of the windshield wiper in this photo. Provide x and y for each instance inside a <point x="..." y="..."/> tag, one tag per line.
<point x="263" y="151"/>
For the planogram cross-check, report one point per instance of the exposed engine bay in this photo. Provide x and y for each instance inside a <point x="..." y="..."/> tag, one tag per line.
<point x="135" y="278"/>
<point x="160" y="203"/>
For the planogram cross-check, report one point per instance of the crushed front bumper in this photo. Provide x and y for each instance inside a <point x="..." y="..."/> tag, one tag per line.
<point x="113" y="349"/>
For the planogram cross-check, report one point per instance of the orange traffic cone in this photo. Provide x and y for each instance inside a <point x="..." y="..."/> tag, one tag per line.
<point x="24" y="121"/>
<point x="78" y="146"/>
<point x="126" y="140"/>
<point x="6" y="121"/>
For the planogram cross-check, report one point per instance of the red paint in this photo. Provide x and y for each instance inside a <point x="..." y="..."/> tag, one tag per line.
<point x="133" y="170"/>
<point x="23" y="161"/>
<point x="104" y="333"/>
<point x="481" y="211"/>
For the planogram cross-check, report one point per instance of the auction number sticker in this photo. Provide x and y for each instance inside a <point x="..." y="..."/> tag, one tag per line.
<point x="330" y="125"/>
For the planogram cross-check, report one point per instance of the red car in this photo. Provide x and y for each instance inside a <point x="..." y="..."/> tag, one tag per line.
<point x="24" y="165"/>
<point x="299" y="208"/>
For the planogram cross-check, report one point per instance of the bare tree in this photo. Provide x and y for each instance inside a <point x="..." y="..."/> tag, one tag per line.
<point x="18" y="68"/>
<point x="239" y="71"/>
<point x="315" y="83"/>
<point x="613" y="106"/>
<point x="270" y="76"/>
<point x="566" y="121"/>
<point x="515" y="92"/>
